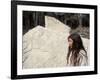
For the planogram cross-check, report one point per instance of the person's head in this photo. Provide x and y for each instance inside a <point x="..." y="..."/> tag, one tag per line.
<point x="75" y="41"/>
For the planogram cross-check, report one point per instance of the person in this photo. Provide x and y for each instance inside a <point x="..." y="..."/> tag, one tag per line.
<point x="77" y="55"/>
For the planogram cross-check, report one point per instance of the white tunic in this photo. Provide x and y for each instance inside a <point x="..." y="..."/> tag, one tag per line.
<point x="82" y="58"/>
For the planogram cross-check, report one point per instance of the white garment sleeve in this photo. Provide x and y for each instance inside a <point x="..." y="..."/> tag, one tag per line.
<point x="83" y="60"/>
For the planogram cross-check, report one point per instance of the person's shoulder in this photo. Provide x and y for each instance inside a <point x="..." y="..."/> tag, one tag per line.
<point x="84" y="58"/>
<point x="83" y="53"/>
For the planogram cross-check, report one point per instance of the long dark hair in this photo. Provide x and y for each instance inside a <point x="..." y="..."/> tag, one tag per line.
<point x="76" y="47"/>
